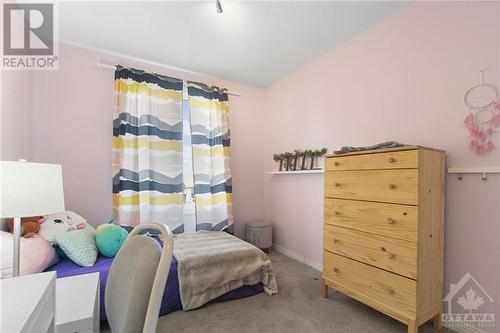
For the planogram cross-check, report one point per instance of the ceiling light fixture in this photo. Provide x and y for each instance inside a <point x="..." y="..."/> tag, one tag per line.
<point x="218" y="6"/>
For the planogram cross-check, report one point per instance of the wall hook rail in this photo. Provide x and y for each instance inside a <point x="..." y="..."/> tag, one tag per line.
<point x="483" y="171"/>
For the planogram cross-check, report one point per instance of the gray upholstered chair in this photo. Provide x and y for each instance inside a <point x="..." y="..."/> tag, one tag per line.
<point x="137" y="279"/>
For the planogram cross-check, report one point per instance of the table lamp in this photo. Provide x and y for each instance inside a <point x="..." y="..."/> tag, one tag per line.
<point x="29" y="189"/>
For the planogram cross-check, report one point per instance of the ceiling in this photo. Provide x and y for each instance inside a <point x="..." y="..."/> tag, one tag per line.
<point x="251" y="42"/>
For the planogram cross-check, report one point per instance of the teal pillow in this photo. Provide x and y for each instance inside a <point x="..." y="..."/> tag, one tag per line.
<point x="109" y="238"/>
<point x="79" y="246"/>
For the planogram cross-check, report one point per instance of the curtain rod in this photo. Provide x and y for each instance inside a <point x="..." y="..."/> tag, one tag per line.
<point x="113" y="67"/>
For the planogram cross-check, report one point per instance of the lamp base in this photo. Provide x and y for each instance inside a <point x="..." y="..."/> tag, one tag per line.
<point x="17" y="245"/>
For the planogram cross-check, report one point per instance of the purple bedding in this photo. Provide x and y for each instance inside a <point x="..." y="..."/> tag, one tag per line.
<point x="171" y="297"/>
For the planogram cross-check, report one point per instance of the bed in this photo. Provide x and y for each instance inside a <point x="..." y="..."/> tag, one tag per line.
<point x="206" y="267"/>
<point x="171" y="296"/>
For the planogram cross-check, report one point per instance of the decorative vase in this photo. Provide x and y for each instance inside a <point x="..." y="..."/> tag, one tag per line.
<point x="311" y="166"/>
<point x="315" y="163"/>
<point x="320" y="162"/>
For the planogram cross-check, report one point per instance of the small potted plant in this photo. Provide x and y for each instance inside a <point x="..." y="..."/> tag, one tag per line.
<point x="278" y="158"/>
<point x="315" y="155"/>
<point x="288" y="157"/>
<point x="305" y="155"/>
<point x="307" y="161"/>
<point x="298" y="155"/>
<point x="302" y="160"/>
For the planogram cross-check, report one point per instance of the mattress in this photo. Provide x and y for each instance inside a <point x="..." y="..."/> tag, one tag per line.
<point x="171" y="298"/>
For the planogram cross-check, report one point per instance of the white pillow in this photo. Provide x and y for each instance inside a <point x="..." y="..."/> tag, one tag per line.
<point x="36" y="255"/>
<point x="55" y="224"/>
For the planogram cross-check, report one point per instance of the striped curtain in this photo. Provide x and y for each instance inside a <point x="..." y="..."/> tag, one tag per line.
<point x="210" y="142"/>
<point x="147" y="149"/>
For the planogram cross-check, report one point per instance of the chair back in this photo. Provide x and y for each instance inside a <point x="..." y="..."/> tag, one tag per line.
<point x="137" y="279"/>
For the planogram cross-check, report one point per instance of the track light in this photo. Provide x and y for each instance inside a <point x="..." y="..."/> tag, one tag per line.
<point x="218" y="6"/>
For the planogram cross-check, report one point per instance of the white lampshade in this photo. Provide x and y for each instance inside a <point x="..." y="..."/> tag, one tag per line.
<point x="30" y="189"/>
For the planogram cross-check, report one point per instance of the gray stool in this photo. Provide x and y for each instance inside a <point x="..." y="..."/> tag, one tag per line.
<point x="260" y="234"/>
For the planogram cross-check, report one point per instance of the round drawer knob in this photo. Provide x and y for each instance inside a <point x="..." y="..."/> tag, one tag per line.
<point x="335" y="240"/>
<point x="336" y="213"/>
<point x="392" y="256"/>
<point x="392" y="160"/>
<point x="336" y="163"/>
<point x="336" y="184"/>
<point x="383" y="249"/>
<point x="336" y="270"/>
<point x="392" y="186"/>
<point x="391" y="220"/>
<point x="390" y="291"/>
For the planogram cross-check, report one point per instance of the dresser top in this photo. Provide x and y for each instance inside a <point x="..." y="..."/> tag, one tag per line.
<point x="383" y="150"/>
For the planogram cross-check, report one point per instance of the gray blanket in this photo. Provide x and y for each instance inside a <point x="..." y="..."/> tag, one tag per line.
<point x="211" y="264"/>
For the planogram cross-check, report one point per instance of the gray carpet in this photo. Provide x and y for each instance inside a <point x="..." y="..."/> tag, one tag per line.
<point x="297" y="308"/>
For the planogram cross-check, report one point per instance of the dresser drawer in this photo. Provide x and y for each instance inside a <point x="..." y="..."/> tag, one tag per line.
<point x="391" y="254"/>
<point x="398" y="221"/>
<point x="392" y="160"/>
<point x="391" y="290"/>
<point x="393" y="186"/>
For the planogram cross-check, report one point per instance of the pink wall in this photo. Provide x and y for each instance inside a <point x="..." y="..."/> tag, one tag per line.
<point x="73" y="115"/>
<point x="403" y="79"/>
<point x="16" y="124"/>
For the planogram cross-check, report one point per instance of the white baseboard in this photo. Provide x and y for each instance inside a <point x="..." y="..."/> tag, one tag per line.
<point x="316" y="265"/>
<point x="298" y="257"/>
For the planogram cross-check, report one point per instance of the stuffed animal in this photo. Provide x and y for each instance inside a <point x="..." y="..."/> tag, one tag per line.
<point x="59" y="223"/>
<point x="29" y="225"/>
<point x="109" y="238"/>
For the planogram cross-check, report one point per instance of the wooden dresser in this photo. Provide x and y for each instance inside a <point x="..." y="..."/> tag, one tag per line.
<point x="384" y="231"/>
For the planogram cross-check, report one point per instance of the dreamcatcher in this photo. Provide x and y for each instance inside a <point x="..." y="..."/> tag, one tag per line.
<point x="484" y="115"/>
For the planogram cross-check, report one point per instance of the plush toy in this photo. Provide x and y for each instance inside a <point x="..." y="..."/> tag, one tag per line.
<point x="56" y="224"/>
<point x="29" y="225"/>
<point x="109" y="238"/>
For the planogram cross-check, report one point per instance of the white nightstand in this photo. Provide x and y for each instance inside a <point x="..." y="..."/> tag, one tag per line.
<point x="28" y="303"/>
<point x="77" y="304"/>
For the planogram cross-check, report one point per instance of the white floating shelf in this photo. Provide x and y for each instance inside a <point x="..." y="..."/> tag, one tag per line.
<point x="295" y="172"/>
